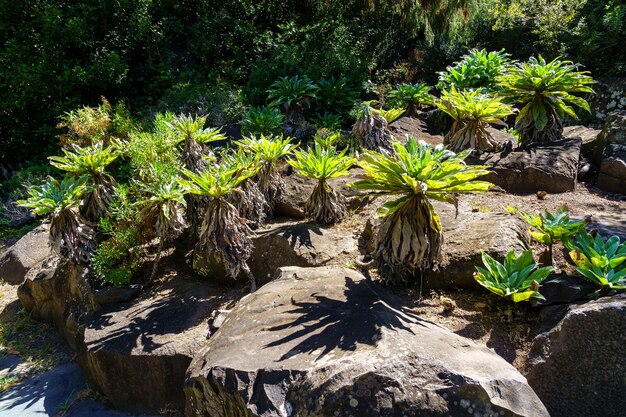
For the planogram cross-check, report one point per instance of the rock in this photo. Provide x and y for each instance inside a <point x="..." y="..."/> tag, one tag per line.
<point x="328" y="342"/>
<point x="136" y="353"/>
<point x="415" y="128"/>
<point x="463" y="239"/>
<point x="577" y="368"/>
<point x="588" y="136"/>
<point x="93" y="408"/>
<point x="12" y="366"/>
<point x="114" y="294"/>
<point x="297" y="244"/>
<point x="44" y="394"/>
<point x="61" y="294"/>
<point x="612" y="176"/>
<point x="562" y="288"/>
<point x="549" y="167"/>
<point x="610" y="96"/>
<point x="298" y="189"/>
<point x="437" y="121"/>
<point x="25" y="257"/>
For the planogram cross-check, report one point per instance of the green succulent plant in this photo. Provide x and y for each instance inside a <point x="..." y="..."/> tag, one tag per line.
<point x="247" y="198"/>
<point x="292" y="94"/>
<point x="270" y="150"/>
<point x="547" y="93"/>
<point x="335" y="94"/>
<point x="223" y="231"/>
<point x="190" y="130"/>
<point x="324" y="205"/>
<point x="370" y="127"/>
<point x="71" y="235"/>
<point x="262" y="121"/>
<point x="478" y="70"/>
<point x="410" y="238"/>
<point x="412" y="97"/>
<point x="392" y="114"/>
<point x="552" y="228"/>
<point x="518" y="278"/>
<point x="472" y="112"/>
<point x="328" y="121"/>
<point x="602" y="262"/>
<point x="91" y="162"/>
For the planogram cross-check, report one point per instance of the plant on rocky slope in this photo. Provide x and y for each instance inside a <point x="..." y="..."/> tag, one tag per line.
<point x="269" y="149"/>
<point x="477" y="70"/>
<point x="90" y="162"/>
<point x="324" y="205"/>
<point x="247" y="198"/>
<point x="392" y="114"/>
<point x="412" y="97"/>
<point x="223" y="231"/>
<point x="518" y="278"/>
<point x="262" y="121"/>
<point x="370" y="127"/>
<point x="472" y="112"/>
<point x="335" y="94"/>
<point x="602" y="262"/>
<point x="163" y="211"/>
<point x="292" y="94"/>
<point x="547" y="93"/>
<point x="552" y="228"/>
<point x="409" y="238"/>
<point x="71" y="236"/>
<point x="328" y="121"/>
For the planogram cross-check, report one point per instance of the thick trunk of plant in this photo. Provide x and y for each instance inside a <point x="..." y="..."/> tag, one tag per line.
<point x="471" y="134"/>
<point x="271" y="184"/>
<point x="325" y="205"/>
<point x="96" y="203"/>
<point x="192" y="156"/>
<point x="71" y="236"/>
<point x="227" y="234"/>
<point x="373" y="131"/>
<point x="195" y="212"/>
<point x="408" y="240"/>
<point x="250" y="203"/>
<point x="530" y="135"/>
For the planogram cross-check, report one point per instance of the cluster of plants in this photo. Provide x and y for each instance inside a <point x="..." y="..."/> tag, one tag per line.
<point x="603" y="262"/>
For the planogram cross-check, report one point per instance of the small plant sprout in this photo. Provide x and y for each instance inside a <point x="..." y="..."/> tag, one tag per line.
<point x="269" y="149"/>
<point x="552" y="228"/>
<point x="324" y="205"/>
<point x="517" y="279"/>
<point x="223" y="231"/>
<point x="412" y="97"/>
<point x="71" y="236"/>
<point x="602" y="262"/>
<point x="472" y="112"/>
<point x="409" y="238"/>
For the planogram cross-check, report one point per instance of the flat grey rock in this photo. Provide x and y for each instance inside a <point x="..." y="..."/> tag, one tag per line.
<point x="93" y="408"/>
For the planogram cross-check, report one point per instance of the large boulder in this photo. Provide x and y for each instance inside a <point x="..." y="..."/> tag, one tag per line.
<point x="589" y="139"/>
<point x="611" y="154"/>
<point x="25" y="257"/>
<point x="464" y="236"/>
<point x="416" y="128"/>
<point x="61" y="294"/>
<point x="328" y="342"/>
<point x="550" y="167"/>
<point x="297" y="244"/>
<point x="577" y="368"/>
<point x="610" y="97"/>
<point x="136" y="353"/>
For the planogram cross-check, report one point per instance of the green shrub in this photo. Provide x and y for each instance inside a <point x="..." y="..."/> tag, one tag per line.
<point x="547" y="93"/>
<point x="477" y="70"/>
<point x="602" y="262"/>
<point x="292" y="94"/>
<point x="116" y="259"/>
<point x="328" y="121"/>
<point x="262" y="121"/>
<point x="517" y="279"/>
<point x="410" y="237"/>
<point x="335" y="95"/>
<point x="412" y="97"/>
<point x="473" y="112"/>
